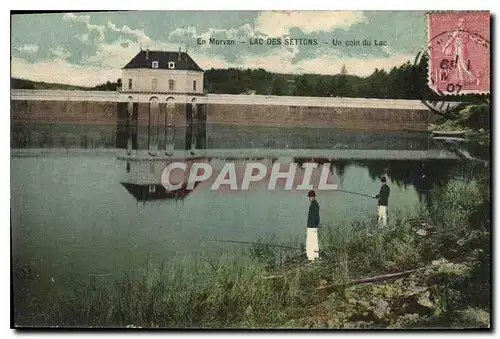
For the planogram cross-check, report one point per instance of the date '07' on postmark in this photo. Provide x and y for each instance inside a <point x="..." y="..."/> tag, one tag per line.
<point x="459" y="52"/>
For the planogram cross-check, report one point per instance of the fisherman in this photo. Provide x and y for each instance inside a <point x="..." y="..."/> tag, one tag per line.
<point x="383" y="200"/>
<point x="312" y="246"/>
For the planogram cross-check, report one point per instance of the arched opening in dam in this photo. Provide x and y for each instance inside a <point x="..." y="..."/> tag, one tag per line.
<point x="170" y="126"/>
<point x="191" y="140"/>
<point x="130" y="113"/>
<point x="153" y="126"/>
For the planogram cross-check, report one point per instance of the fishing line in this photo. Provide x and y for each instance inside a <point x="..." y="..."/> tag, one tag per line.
<point x="267" y="244"/>
<point x="362" y="194"/>
<point x="257" y="243"/>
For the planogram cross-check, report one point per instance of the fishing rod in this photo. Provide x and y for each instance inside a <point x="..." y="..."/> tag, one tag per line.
<point x="364" y="195"/>
<point x="328" y="253"/>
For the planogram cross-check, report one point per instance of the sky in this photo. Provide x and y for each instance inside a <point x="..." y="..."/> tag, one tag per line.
<point x="91" y="48"/>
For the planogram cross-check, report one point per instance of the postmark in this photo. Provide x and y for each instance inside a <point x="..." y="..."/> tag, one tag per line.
<point x="440" y="103"/>
<point x="459" y="52"/>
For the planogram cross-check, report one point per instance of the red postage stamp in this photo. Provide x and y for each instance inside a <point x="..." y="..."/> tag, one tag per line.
<point x="459" y="52"/>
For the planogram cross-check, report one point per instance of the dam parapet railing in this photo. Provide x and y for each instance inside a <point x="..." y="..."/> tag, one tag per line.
<point x="274" y="100"/>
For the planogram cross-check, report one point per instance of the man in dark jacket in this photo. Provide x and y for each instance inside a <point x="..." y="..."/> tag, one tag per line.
<point x="312" y="245"/>
<point x="383" y="202"/>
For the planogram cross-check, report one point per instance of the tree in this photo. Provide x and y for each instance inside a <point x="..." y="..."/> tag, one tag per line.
<point x="332" y="87"/>
<point x="377" y="84"/>
<point x="321" y="89"/>
<point x="261" y="81"/>
<point x="341" y="85"/>
<point x="302" y="87"/>
<point x="107" y="86"/>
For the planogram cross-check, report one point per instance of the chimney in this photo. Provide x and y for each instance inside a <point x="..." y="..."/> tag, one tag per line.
<point x="179" y="57"/>
<point x="147" y="53"/>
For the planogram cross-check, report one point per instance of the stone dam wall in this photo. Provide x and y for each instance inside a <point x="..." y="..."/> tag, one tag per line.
<point x="334" y="117"/>
<point x="111" y="108"/>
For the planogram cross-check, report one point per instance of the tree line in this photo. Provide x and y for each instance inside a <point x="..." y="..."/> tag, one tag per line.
<point x="407" y="81"/>
<point x="404" y="82"/>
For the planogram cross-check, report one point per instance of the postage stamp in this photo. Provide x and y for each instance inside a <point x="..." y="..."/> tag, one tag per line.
<point x="459" y="52"/>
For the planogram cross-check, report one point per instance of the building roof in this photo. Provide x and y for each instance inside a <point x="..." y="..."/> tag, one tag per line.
<point x="142" y="193"/>
<point x="182" y="60"/>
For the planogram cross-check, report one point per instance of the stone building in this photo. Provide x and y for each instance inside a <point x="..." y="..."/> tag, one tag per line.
<point x="162" y="73"/>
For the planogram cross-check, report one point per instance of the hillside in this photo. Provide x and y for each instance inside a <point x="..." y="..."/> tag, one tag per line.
<point x="16" y="83"/>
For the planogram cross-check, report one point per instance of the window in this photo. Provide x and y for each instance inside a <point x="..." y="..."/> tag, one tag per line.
<point x="194" y="85"/>
<point x="154" y="64"/>
<point x="154" y="85"/>
<point x="171" y="65"/>
<point x="171" y="85"/>
<point x="129" y="83"/>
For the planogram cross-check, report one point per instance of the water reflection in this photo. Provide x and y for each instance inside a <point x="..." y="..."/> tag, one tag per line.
<point x="143" y="178"/>
<point x="88" y="211"/>
<point x="65" y="136"/>
<point x="423" y="175"/>
<point x="314" y="138"/>
<point x="151" y="192"/>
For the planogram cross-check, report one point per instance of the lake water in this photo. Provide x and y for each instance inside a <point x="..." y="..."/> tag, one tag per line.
<point x="79" y="213"/>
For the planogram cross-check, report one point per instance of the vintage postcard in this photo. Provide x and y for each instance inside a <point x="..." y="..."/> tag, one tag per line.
<point x="251" y="169"/>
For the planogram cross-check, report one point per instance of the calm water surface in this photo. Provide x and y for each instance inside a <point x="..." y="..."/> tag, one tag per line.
<point x="72" y="214"/>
